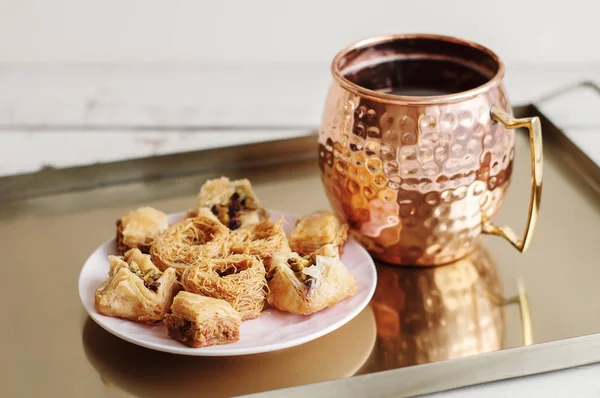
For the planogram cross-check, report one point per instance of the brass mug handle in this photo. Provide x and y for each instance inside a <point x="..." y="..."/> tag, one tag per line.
<point x="535" y="142"/>
<point x="525" y="312"/>
<point x="522" y="300"/>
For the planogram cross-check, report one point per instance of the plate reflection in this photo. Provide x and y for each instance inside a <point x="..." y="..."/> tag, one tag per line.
<point x="147" y="373"/>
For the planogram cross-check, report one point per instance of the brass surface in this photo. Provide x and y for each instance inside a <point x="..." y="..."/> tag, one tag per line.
<point x="419" y="178"/>
<point x="146" y="373"/>
<point x="50" y="347"/>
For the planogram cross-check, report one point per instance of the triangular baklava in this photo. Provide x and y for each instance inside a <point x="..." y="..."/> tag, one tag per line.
<point x="304" y="285"/>
<point x="136" y="289"/>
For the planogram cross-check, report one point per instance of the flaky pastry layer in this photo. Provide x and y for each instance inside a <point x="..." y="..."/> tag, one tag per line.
<point x="305" y="290"/>
<point x="317" y="229"/>
<point x="136" y="289"/>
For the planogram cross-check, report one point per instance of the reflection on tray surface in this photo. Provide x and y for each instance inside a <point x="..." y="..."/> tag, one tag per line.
<point x="147" y="373"/>
<point x="432" y="314"/>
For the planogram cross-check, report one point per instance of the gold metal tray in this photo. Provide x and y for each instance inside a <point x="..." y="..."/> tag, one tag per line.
<point x="494" y="315"/>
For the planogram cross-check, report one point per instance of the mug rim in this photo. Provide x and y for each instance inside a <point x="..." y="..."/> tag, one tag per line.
<point x="415" y="100"/>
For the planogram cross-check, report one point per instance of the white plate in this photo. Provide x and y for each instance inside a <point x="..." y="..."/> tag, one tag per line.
<point x="273" y="330"/>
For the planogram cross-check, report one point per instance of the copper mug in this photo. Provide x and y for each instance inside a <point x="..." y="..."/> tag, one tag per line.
<point x="417" y="144"/>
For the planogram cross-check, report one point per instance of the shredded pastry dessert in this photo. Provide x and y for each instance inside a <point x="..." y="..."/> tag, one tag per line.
<point x="190" y="241"/>
<point x="317" y="229"/>
<point x="304" y="285"/>
<point x="221" y="265"/>
<point x="136" y="289"/>
<point x="233" y="202"/>
<point x="238" y="279"/>
<point x="137" y="229"/>
<point x="263" y="239"/>
<point x="199" y="321"/>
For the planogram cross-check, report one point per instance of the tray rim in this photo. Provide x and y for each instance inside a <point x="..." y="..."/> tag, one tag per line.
<point x="54" y="181"/>
<point x="487" y="367"/>
<point x="418" y="379"/>
<point x="457" y="373"/>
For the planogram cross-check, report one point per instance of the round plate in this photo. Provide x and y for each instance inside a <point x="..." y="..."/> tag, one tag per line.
<point x="273" y="330"/>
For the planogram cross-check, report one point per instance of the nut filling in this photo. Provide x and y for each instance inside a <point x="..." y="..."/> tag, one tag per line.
<point x="149" y="277"/>
<point x="195" y="334"/>
<point x="298" y="264"/>
<point x="199" y="321"/>
<point x="229" y="213"/>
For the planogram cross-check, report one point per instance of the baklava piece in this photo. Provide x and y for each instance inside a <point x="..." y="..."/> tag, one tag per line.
<point x="189" y="241"/>
<point x="199" y="321"/>
<point x="233" y="202"/>
<point x="136" y="289"/>
<point x="317" y="229"/>
<point x="238" y="279"/>
<point x="264" y="240"/>
<point x="137" y="229"/>
<point x="304" y="285"/>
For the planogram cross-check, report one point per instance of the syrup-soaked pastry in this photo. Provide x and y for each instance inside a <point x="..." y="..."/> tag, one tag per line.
<point x="136" y="289"/>
<point x="263" y="239"/>
<point x="304" y="285"/>
<point x="317" y="229"/>
<point x="199" y="321"/>
<point x="238" y="279"/>
<point x="233" y="202"/>
<point x="189" y="241"/>
<point x="137" y="229"/>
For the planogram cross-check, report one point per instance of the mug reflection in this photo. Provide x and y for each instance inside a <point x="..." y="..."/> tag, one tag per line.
<point x="432" y="314"/>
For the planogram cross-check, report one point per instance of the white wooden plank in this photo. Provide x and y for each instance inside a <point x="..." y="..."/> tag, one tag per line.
<point x="574" y="108"/>
<point x="171" y="96"/>
<point x="162" y="96"/>
<point x="182" y="31"/>
<point x="575" y="112"/>
<point x="99" y="110"/>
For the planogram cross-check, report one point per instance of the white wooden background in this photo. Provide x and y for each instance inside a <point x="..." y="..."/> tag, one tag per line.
<point x="151" y="31"/>
<point x="94" y="81"/>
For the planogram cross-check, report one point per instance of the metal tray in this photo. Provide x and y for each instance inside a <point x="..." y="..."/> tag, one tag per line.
<point x="494" y="315"/>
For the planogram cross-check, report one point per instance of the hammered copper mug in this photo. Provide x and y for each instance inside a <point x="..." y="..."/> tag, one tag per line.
<point x="417" y="145"/>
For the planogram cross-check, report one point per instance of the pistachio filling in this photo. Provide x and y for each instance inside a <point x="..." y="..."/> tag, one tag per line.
<point x="228" y="213"/>
<point x="297" y="264"/>
<point x="149" y="277"/>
